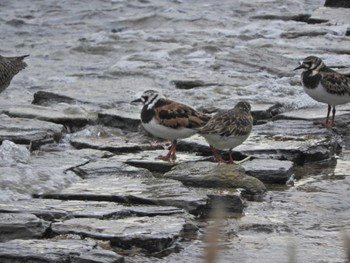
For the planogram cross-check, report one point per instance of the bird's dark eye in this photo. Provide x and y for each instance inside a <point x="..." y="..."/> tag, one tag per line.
<point x="145" y="98"/>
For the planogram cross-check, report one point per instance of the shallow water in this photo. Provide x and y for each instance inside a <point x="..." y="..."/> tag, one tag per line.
<point x="107" y="52"/>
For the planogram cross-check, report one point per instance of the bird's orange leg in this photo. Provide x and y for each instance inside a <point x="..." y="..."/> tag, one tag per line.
<point x="218" y="158"/>
<point x="326" y="123"/>
<point x="231" y="158"/>
<point x="171" y="154"/>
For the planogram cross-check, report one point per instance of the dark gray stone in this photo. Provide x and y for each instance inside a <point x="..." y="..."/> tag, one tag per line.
<point x="46" y="98"/>
<point x="26" y="131"/>
<point x="52" y="209"/>
<point x="22" y="226"/>
<point x="269" y="170"/>
<point x="150" y="233"/>
<point x="190" y="84"/>
<point x="298" y="141"/>
<point x="110" y="166"/>
<point x="120" y="119"/>
<point x="115" y="144"/>
<point x="304" y="33"/>
<point x="298" y="18"/>
<point x="337" y="3"/>
<point x="134" y="190"/>
<point x="56" y="251"/>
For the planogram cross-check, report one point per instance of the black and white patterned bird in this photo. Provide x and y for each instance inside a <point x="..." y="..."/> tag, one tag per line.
<point x="168" y="119"/>
<point x="9" y="67"/>
<point x="228" y="129"/>
<point x="324" y="85"/>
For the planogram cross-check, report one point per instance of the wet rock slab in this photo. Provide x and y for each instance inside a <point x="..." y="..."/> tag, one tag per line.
<point x="69" y="115"/>
<point x="110" y="166"/>
<point x="120" y="119"/>
<point x="53" y="251"/>
<point x="298" y="141"/>
<point x="134" y="190"/>
<point x="150" y="160"/>
<point x="269" y="170"/>
<point x="56" y="159"/>
<point x="150" y="233"/>
<point x="212" y="175"/>
<point x="115" y="144"/>
<point x="334" y="16"/>
<point x="23" y="226"/>
<point x="337" y="3"/>
<point x="25" y="131"/>
<point x="52" y="209"/>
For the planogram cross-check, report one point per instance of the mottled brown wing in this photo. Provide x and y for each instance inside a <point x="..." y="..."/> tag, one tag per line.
<point x="336" y="83"/>
<point x="9" y="67"/>
<point x="176" y="115"/>
<point x="228" y="123"/>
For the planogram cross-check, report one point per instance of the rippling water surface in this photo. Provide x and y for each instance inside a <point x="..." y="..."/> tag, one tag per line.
<point x="107" y="52"/>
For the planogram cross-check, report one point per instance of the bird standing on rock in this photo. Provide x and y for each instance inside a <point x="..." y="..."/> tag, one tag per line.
<point x="228" y="129"/>
<point x="168" y="119"/>
<point x="324" y="85"/>
<point x="9" y="67"/>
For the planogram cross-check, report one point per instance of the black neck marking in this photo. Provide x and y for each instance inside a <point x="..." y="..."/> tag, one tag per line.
<point x="309" y="81"/>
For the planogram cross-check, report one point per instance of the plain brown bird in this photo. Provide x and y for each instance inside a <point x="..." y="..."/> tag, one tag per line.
<point x="9" y="67"/>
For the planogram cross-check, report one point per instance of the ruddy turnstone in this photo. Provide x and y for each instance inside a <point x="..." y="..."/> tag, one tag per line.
<point x="169" y="119"/>
<point x="228" y="129"/>
<point x="324" y="85"/>
<point x="9" y="67"/>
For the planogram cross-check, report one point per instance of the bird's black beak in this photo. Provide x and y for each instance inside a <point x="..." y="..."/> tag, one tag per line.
<point x="136" y="101"/>
<point x="300" y="66"/>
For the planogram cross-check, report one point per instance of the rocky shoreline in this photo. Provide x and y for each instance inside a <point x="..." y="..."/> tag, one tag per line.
<point x="80" y="180"/>
<point x="125" y="196"/>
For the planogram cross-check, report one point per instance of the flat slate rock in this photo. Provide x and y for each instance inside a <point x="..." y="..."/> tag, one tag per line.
<point x="212" y="175"/>
<point x="52" y="209"/>
<point x="337" y="3"/>
<point x="150" y="160"/>
<point x="110" y="166"/>
<point x="298" y="141"/>
<point x="120" y="119"/>
<point x="150" y="233"/>
<point x="134" y="190"/>
<point x="23" y="181"/>
<point x="25" y="131"/>
<point x="68" y="115"/>
<point x="115" y="144"/>
<point x="21" y="226"/>
<point x="65" y="159"/>
<point x="54" y="251"/>
<point x="334" y="16"/>
<point x="269" y="170"/>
